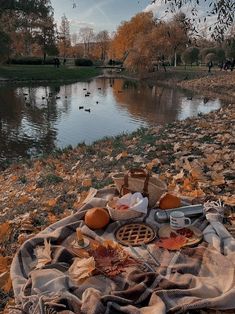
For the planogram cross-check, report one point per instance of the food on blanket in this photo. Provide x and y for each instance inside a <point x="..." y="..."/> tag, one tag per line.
<point x="172" y="243"/>
<point x="80" y="238"/>
<point x="186" y="232"/>
<point x="169" y="201"/>
<point x="192" y="234"/>
<point x="122" y="207"/>
<point x="135" y="234"/>
<point x="97" y="218"/>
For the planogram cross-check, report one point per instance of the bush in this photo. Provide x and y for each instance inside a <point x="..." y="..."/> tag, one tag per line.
<point x="211" y="57"/>
<point x="31" y="61"/>
<point x="219" y="52"/>
<point x="115" y="62"/>
<point x="190" y="55"/>
<point x="83" y="62"/>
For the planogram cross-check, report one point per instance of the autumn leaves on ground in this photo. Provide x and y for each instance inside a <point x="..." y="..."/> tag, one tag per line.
<point x="195" y="157"/>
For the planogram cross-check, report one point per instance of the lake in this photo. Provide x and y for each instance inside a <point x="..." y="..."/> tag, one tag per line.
<point x="35" y="120"/>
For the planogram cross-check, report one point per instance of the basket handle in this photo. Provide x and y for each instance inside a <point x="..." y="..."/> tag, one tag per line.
<point x="137" y="173"/>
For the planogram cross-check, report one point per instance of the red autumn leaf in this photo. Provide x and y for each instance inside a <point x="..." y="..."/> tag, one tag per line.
<point x="172" y="244"/>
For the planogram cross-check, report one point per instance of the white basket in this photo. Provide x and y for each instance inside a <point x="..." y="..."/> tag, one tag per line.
<point x="116" y="214"/>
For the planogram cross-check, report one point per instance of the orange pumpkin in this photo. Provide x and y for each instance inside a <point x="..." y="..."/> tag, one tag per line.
<point x="169" y="201"/>
<point x="96" y="218"/>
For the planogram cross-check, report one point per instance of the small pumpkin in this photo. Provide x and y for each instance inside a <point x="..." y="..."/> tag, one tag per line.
<point x="169" y="201"/>
<point x="96" y="218"/>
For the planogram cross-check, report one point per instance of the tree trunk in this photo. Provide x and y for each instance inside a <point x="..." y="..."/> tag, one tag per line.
<point x="175" y="61"/>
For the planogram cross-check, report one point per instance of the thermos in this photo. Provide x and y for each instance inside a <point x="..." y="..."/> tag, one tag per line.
<point x="162" y="216"/>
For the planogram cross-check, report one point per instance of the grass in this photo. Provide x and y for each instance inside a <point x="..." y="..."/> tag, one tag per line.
<point x="47" y="73"/>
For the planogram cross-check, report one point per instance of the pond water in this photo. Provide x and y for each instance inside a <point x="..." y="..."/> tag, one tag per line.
<point x="34" y="120"/>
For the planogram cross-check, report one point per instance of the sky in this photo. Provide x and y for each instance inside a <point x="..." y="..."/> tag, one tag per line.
<point x="98" y="14"/>
<point x="108" y="14"/>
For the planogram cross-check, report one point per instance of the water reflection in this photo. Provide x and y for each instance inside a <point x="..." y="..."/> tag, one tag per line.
<point x="38" y="119"/>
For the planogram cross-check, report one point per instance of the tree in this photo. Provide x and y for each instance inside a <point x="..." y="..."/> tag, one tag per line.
<point x="4" y="45"/>
<point x="128" y="32"/>
<point x="64" y="36"/>
<point x="86" y="35"/>
<point x="190" y="55"/>
<point x="103" y="41"/>
<point x="223" y="9"/>
<point x="39" y="7"/>
<point x="178" y="34"/>
<point x="46" y="36"/>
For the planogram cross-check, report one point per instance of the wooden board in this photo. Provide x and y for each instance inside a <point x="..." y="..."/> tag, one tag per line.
<point x="165" y="231"/>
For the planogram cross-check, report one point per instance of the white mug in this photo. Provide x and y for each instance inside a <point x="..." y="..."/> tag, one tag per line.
<point x="178" y="220"/>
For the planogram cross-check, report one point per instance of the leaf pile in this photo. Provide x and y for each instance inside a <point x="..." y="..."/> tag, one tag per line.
<point x="110" y="258"/>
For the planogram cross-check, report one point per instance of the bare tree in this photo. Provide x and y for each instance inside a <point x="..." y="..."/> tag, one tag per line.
<point x="103" y="41"/>
<point x="86" y="35"/>
<point x="64" y="35"/>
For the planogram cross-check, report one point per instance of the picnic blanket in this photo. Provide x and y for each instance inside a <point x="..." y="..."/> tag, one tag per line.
<point x="192" y="278"/>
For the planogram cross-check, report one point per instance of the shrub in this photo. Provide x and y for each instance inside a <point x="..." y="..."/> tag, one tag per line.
<point x="190" y="55"/>
<point x="219" y="52"/>
<point x="211" y="57"/>
<point x="30" y="61"/>
<point x="83" y="62"/>
<point x="114" y="62"/>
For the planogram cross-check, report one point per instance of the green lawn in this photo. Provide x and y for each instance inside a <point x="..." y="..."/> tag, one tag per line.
<point x="47" y="72"/>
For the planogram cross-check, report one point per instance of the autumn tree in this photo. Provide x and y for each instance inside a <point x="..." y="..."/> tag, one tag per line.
<point x="22" y="20"/>
<point x="64" y="36"/>
<point x="127" y="33"/>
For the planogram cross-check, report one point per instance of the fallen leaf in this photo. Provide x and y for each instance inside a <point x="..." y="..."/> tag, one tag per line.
<point x="4" y="263"/>
<point x="51" y="202"/>
<point x="155" y="162"/>
<point x="4" y="231"/>
<point x="229" y="200"/>
<point x="23" y="200"/>
<point x="172" y="244"/>
<point x="123" y="154"/>
<point x="87" y="183"/>
<point x="179" y="176"/>
<point x="82" y="268"/>
<point x="43" y="254"/>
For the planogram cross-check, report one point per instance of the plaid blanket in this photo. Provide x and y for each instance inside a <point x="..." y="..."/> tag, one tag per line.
<point x="192" y="278"/>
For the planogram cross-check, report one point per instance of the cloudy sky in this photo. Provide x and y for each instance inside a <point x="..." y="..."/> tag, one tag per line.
<point x="98" y="14"/>
<point x="108" y="14"/>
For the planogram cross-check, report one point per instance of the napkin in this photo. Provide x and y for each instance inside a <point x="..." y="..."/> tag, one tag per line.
<point x="135" y="202"/>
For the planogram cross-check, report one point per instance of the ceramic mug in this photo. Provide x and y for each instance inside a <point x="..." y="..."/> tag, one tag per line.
<point x="178" y="220"/>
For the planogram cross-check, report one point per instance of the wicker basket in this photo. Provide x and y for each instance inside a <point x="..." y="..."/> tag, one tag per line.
<point x="116" y="214"/>
<point x="138" y="180"/>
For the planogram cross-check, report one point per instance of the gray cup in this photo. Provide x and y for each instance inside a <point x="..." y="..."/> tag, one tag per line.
<point x="178" y="220"/>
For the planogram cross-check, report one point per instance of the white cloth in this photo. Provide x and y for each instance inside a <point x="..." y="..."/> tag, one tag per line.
<point x="135" y="202"/>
